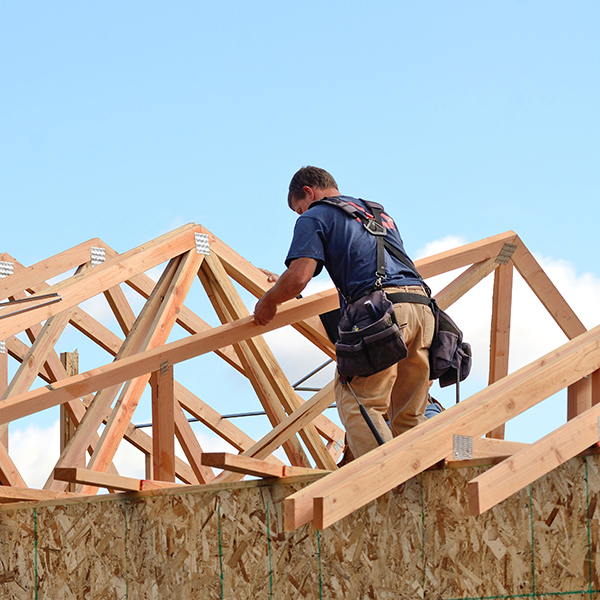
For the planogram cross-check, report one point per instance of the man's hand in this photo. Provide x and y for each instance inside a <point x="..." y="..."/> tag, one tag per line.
<point x="271" y="277"/>
<point x="264" y="311"/>
<point x="288" y="286"/>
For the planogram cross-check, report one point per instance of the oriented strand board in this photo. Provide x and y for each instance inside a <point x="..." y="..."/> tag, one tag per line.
<point x="466" y="556"/>
<point x="81" y="552"/>
<point x="416" y="541"/>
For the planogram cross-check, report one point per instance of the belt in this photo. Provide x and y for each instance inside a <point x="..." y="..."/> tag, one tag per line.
<point x="398" y="297"/>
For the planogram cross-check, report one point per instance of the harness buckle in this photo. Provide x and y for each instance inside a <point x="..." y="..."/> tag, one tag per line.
<point x="375" y="228"/>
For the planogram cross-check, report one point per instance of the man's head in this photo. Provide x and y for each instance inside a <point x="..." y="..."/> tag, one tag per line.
<point x="310" y="184"/>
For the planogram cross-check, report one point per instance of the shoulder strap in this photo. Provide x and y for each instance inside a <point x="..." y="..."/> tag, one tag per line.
<point x="375" y="227"/>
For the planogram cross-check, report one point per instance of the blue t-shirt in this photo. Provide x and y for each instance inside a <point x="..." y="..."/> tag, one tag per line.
<point x="346" y="249"/>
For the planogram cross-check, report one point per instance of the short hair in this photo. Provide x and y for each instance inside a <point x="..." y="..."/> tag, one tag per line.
<point x="312" y="177"/>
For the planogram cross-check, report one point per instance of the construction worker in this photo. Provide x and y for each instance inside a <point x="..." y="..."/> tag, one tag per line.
<point x="326" y="236"/>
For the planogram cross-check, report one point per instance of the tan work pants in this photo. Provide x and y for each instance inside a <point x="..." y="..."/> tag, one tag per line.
<point x="400" y="391"/>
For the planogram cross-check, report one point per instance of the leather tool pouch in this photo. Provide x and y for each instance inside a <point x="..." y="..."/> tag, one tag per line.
<point x="370" y="339"/>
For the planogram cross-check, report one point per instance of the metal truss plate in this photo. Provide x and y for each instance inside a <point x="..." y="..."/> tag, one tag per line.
<point x="202" y="245"/>
<point x="462" y="447"/>
<point x="98" y="255"/>
<point x="506" y="253"/>
<point x="164" y="367"/>
<point x="2" y="347"/>
<point x="6" y="268"/>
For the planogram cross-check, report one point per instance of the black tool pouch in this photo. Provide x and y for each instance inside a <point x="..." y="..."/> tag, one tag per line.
<point x="449" y="357"/>
<point x="370" y="339"/>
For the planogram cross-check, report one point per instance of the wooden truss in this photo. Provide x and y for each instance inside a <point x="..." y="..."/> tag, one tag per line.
<point x="109" y="394"/>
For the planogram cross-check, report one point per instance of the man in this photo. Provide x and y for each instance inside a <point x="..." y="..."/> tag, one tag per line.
<point x="326" y="236"/>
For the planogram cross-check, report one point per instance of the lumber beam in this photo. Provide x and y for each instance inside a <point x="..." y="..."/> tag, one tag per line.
<point x="107" y="480"/>
<point x="547" y="293"/>
<point x="81" y="287"/>
<point x="46" y="269"/>
<point x="252" y="466"/>
<point x="267" y="364"/>
<point x="146" y="362"/>
<point x="518" y="471"/>
<point x="579" y="397"/>
<point x="17" y="494"/>
<point x="3" y="386"/>
<point x="500" y="331"/>
<point x="273" y="409"/>
<point x="466" y="255"/>
<point x="288" y="427"/>
<point x="163" y="424"/>
<point x="464" y="282"/>
<point x="134" y="342"/>
<point x="191" y="446"/>
<point x="162" y="314"/>
<point x="256" y="282"/>
<point x="378" y="471"/>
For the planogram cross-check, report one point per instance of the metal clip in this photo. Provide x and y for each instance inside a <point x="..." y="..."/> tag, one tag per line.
<point x="2" y="347"/>
<point x="98" y="255"/>
<point x="462" y="447"/>
<point x="506" y="253"/>
<point x="6" y="268"/>
<point x="374" y="228"/>
<point x="202" y="245"/>
<point x="164" y="367"/>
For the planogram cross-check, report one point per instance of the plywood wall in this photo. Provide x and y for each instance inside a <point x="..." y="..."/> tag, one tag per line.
<point x="417" y="541"/>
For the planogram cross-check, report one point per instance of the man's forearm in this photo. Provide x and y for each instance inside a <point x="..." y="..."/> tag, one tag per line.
<point x="288" y="286"/>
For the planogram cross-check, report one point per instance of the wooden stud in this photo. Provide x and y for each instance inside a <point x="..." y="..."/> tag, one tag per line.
<point x="191" y="446"/>
<point x="252" y="466"/>
<point x="579" y="397"/>
<point x="464" y="282"/>
<point x="70" y="362"/>
<point x="546" y="292"/>
<point x="288" y="427"/>
<point x="500" y="331"/>
<point x="109" y="481"/>
<point x="595" y="388"/>
<point x="163" y="424"/>
<point x="3" y="386"/>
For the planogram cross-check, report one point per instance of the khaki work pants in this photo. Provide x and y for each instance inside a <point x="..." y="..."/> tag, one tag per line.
<point x="400" y="391"/>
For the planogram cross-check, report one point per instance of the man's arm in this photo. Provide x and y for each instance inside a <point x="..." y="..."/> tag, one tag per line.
<point x="288" y="286"/>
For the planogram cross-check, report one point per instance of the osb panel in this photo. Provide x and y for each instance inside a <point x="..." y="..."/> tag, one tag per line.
<point x="559" y="514"/>
<point x="81" y="550"/>
<point x="376" y="551"/>
<point x="417" y="541"/>
<point x="471" y="557"/>
<point x="173" y="547"/>
<point x="17" y="555"/>
<point x="593" y="481"/>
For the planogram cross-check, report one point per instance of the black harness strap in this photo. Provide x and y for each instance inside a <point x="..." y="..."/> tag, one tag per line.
<point x="375" y="227"/>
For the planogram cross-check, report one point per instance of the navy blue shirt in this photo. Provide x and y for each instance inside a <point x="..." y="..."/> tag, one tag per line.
<point x="349" y="252"/>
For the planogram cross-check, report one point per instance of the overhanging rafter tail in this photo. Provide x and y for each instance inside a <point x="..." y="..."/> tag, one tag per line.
<point x="397" y="461"/>
<point x="524" y="467"/>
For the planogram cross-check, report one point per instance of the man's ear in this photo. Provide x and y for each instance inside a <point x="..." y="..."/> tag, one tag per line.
<point x="308" y="191"/>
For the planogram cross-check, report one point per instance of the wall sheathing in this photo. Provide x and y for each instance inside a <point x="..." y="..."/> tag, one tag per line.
<point x="417" y="541"/>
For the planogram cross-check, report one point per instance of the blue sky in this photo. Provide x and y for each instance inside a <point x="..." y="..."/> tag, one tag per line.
<point x="465" y="119"/>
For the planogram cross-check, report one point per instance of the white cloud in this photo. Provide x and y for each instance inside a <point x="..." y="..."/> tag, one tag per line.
<point x="34" y="450"/>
